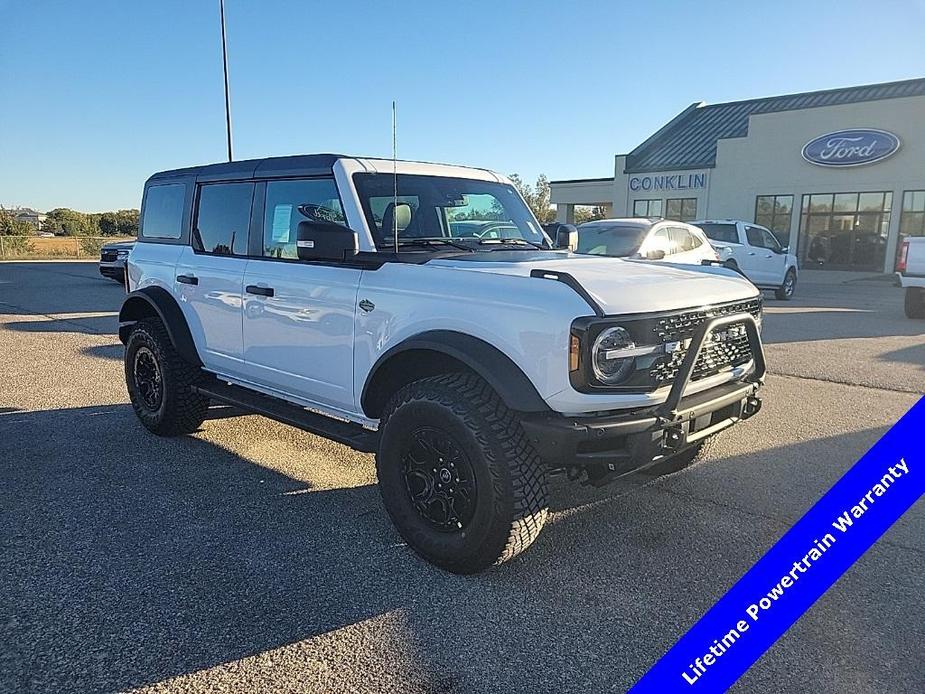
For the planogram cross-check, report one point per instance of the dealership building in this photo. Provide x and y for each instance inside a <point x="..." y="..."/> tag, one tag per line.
<point x="837" y="175"/>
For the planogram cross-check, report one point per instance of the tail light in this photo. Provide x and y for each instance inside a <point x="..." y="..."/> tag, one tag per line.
<point x="903" y="257"/>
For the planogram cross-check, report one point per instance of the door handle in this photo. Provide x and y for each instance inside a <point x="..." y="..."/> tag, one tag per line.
<point x="751" y="252"/>
<point x="261" y="291"/>
<point x="187" y="279"/>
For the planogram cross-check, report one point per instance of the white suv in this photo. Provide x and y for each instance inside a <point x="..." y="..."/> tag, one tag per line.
<point x="647" y="239"/>
<point x="755" y="251"/>
<point x="334" y="295"/>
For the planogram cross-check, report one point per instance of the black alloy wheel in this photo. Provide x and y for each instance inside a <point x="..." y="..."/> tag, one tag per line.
<point x="148" y="380"/>
<point x="439" y="479"/>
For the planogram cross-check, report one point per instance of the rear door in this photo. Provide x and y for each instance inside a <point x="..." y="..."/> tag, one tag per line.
<point x="210" y="273"/>
<point x="299" y="315"/>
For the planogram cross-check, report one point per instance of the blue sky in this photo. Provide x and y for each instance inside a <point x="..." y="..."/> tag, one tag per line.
<point x="98" y="94"/>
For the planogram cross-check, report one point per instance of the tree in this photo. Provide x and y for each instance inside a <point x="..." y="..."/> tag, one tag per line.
<point x="10" y="226"/>
<point x="537" y="197"/>
<point x="583" y="213"/>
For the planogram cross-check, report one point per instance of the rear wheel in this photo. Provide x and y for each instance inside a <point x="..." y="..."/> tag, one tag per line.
<point x="459" y="479"/>
<point x="785" y="291"/>
<point x="160" y="382"/>
<point x="915" y="302"/>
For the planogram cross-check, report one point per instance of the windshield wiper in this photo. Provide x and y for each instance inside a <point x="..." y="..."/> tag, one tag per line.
<point x="434" y="242"/>
<point x="514" y="242"/>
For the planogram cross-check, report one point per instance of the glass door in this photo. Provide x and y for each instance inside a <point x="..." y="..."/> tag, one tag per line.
<point x="845" y="231"/>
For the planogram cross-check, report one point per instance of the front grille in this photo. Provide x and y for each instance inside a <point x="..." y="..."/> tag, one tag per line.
<point x="715" y="356"/>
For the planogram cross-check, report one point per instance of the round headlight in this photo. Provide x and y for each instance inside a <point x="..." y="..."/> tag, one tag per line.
<point x="612" y="370"/>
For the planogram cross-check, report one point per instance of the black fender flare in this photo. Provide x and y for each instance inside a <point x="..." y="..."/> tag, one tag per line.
<point x="486" y="360"/>
<point x="155" y="300"/>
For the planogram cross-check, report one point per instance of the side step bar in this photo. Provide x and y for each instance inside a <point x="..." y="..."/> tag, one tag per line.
<point x="347" y="433"/>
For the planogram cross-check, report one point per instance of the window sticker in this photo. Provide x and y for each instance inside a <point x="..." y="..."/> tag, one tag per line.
<point x="282" y="221"/>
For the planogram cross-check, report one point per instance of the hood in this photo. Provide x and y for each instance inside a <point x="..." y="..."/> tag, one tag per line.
<point x="619" y="286"/>
<point x="118" y="245"/>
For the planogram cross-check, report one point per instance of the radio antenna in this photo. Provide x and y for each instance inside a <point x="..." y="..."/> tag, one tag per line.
<point x="395" y="175"/>
<point x="227" y="90"/>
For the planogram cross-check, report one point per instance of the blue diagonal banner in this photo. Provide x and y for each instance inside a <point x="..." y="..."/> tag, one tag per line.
<point x="796" y="571"/>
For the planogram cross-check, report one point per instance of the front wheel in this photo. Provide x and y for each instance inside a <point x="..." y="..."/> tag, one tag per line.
<point x="785" y="291"/>
<point x="458" y="477"/>
<point x="915" y="302"/>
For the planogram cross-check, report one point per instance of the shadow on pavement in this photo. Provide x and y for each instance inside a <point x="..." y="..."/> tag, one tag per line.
<point x="113" y="352"/>
<point x="129" y="559"/>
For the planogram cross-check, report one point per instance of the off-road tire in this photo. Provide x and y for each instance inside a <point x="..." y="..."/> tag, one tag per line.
<point x="914" y="302"/>
<point x="510" y="500"/>
<point x="786" y="290"/>
<point x="180" y="410"/>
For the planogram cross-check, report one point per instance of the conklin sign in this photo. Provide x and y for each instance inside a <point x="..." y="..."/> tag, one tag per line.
<point x="691" y="181"/>
<point x="851" y="147"/>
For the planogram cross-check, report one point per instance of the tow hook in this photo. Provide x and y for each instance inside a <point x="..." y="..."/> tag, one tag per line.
<point x="751" y="407"/>
<point x="673" y="438"/>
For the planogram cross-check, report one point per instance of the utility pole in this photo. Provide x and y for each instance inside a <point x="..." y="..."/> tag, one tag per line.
<point x="227" y="90"/>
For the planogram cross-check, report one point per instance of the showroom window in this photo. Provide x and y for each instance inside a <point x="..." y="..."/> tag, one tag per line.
<point x="773" y="212"/>
<point x="845" y="230"/>
<point x="647" y="208"/>
<point x="912" y="219"/>
<point x="681" y="209"/>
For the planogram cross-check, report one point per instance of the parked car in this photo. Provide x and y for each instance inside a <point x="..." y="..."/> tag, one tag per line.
<point x="113" y="257"/>
<point x="470" y="366"/>
<point x="910" y="267"/>
<point x="649" y="239"/>
<point x="756" y="252"/>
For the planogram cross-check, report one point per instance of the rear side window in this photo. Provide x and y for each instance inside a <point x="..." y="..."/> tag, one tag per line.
<point x="222" y="218"/>
<point x="163" y="217"/>
<point x="724" y="233"/>
<point x="287" y="202"/>
<point x="683" y="240"/>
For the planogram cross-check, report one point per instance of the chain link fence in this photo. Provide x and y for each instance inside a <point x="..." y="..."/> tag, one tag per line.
<point x="39" y="247"/>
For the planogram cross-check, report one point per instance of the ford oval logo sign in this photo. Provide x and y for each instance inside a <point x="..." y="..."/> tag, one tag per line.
<point x="851" y="147"/>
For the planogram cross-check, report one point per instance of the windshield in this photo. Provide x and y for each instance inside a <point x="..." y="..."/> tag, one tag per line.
<point x="618" y="240"/>
<point x="720" y="232"/>
<point x="465" y="211"/>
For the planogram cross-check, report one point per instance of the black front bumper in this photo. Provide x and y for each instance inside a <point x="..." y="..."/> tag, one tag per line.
<point x="626" y="441"/>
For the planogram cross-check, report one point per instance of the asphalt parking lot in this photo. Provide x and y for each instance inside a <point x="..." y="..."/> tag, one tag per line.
<point x="254" y="557"/>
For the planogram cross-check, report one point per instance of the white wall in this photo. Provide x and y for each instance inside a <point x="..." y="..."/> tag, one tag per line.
<point x="769" y="160"/>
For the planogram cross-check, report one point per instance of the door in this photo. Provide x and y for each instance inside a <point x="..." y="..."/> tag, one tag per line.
<point x="764" y="261"/>
<point x="299" y="316"/>
<point x="210" y="274"/>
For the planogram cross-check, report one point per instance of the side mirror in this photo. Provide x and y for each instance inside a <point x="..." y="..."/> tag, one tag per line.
<point x="655" y="254"/>
<point x="566" y="236"/>
<point x="321" y="240"/>
<point x="784" y="250"/>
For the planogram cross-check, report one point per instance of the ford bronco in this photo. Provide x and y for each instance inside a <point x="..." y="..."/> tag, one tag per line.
<point x="419" y="312"/>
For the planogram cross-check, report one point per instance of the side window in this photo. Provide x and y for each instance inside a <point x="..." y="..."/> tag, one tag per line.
<point x="661" y="241"/>
<point x="682" y="240"/>
<point x="755" y="236"/>
<point x="770" y="240"/>
<point x="163" y="216"/>
<point x="222" y="218"/>
<point x="286" y="205"/>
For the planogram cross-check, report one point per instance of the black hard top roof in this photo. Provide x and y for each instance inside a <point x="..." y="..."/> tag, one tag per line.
<point x="299" y="164"/>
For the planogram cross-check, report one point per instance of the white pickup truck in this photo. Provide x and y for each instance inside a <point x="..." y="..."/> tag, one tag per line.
<point x="911" y="270"/>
